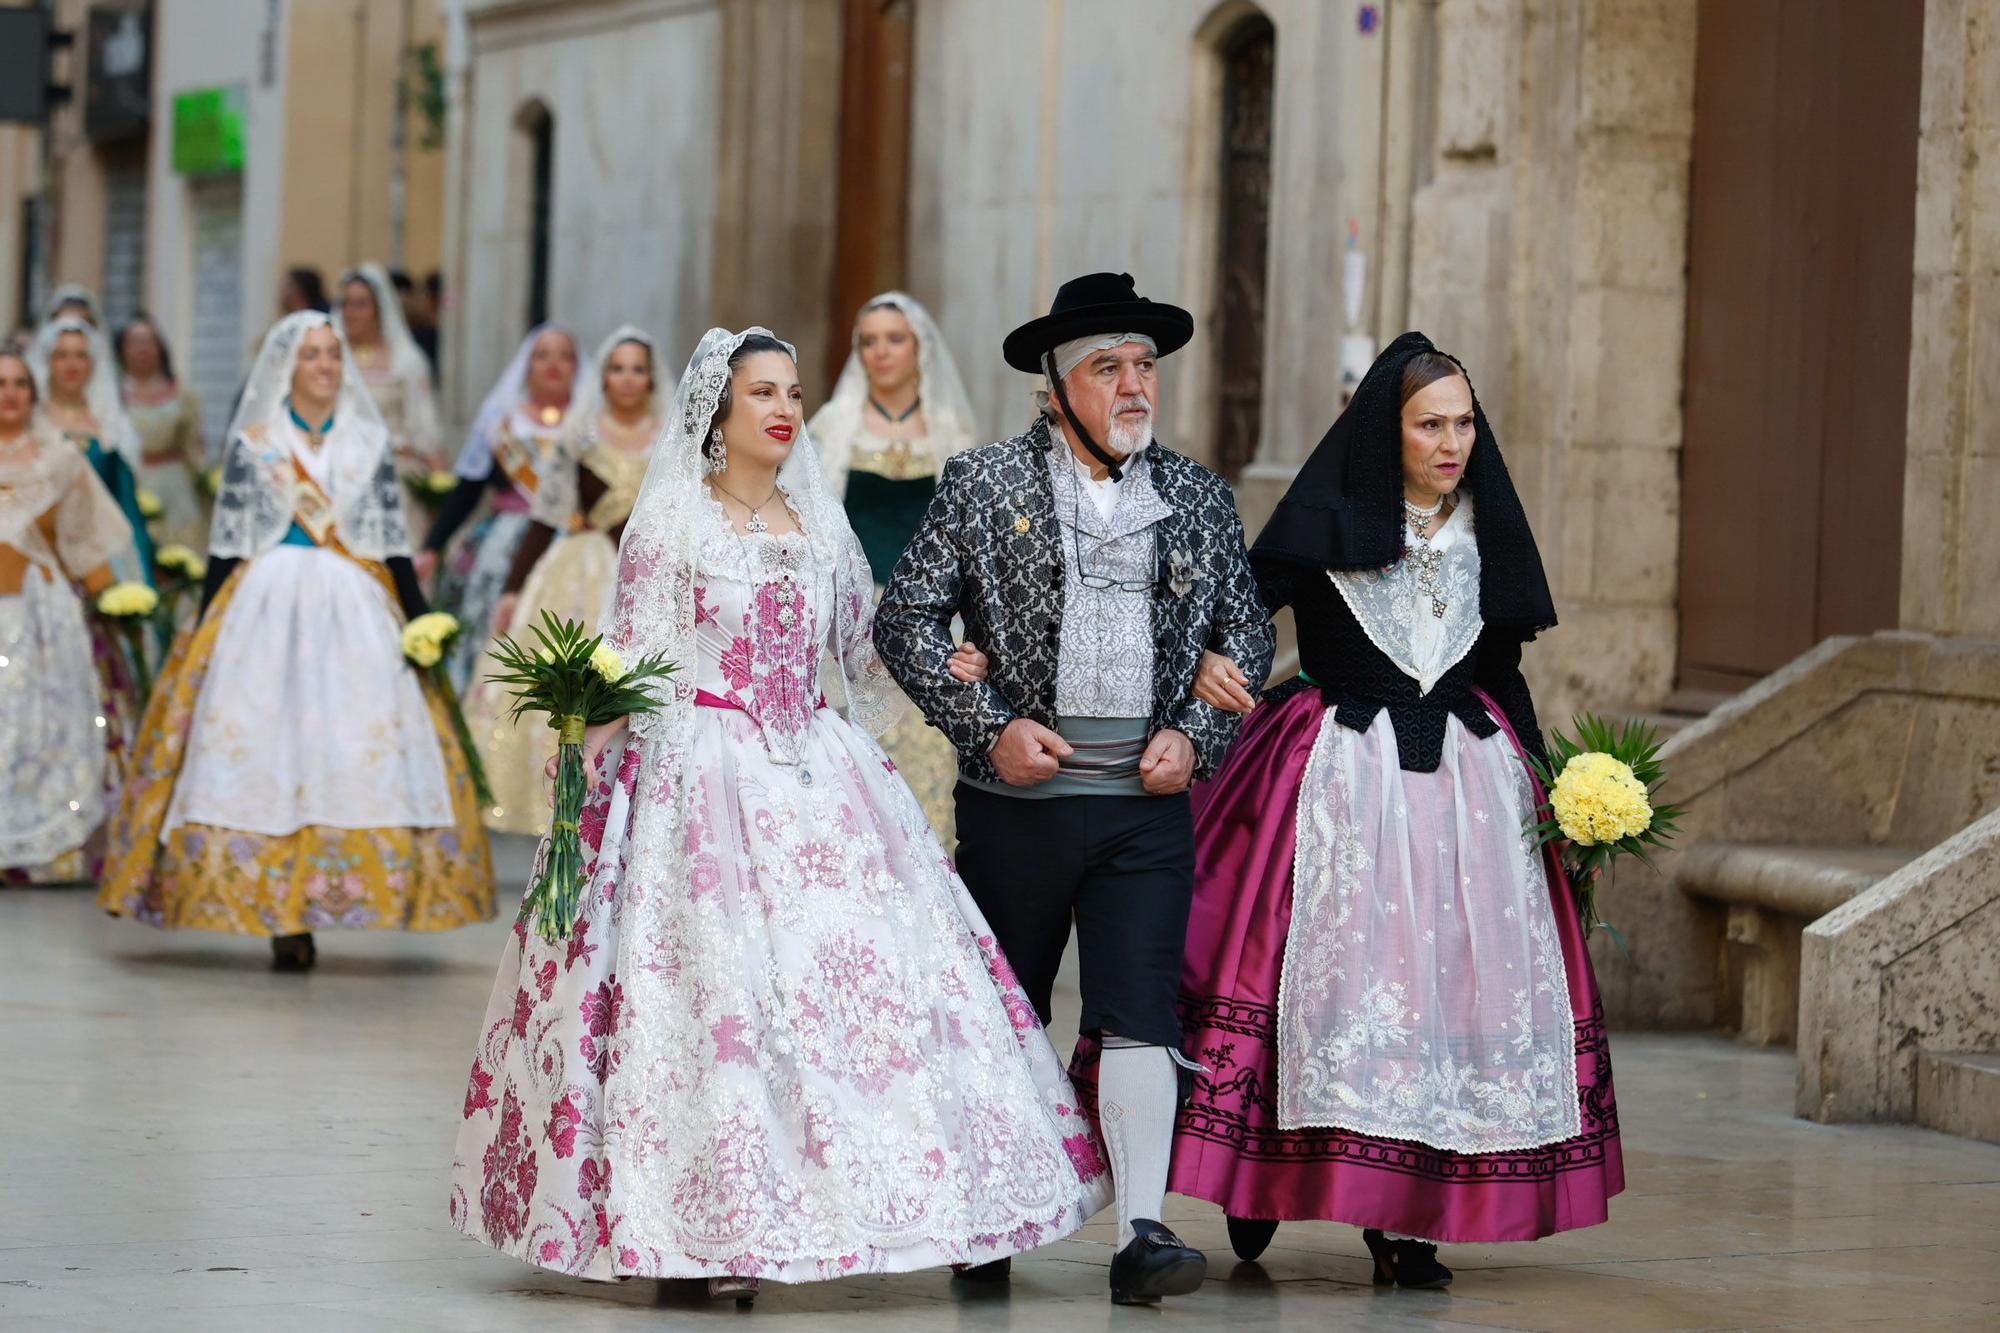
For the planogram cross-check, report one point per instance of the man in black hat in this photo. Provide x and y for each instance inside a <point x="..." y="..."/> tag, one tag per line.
<point x="1094" y="566"/>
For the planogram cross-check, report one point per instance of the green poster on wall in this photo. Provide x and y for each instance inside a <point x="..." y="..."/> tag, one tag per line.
<point x="208" y="130"/>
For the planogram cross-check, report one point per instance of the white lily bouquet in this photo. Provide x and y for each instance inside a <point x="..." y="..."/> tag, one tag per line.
<point x="579" y="683"/>
<point x="425" y="641"/>
<point x="131" y="607"/>
<point x="1602" y="805"/>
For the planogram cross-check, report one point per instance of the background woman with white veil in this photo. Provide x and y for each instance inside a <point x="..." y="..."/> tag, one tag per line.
<point x="370" y="317"/>
<point x="568" y="562"/>
<point x="294" y="772"/>
<point x="79" y="388"/>
<point x="898" y="411"/>
<point x="514" y="439"/>
<point x="780" y="1043"/>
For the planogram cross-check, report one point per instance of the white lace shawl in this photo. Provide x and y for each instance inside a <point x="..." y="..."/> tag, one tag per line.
<point x="114" y="429"/>
<point x="1396" y="614"/>
<point x="260" y="486"/>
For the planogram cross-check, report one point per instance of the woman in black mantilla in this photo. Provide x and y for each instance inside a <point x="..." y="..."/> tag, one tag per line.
<point x="1385" y="980"/>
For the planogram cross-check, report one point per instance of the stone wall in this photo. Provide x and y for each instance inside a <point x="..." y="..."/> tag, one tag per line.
<point x="635" y="91"/>
<point x="1548" y="250"/>
<point x="1058" y="138"/>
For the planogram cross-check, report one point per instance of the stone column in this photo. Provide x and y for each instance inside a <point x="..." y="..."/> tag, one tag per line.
<point x="1951" y="545"/>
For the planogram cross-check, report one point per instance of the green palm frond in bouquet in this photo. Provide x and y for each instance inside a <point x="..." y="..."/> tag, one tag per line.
<point x="1601" y="804"/>
<point x="579" y="683"/>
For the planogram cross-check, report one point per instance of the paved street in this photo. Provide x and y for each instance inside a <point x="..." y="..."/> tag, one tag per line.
<point x="194" y="1143"/>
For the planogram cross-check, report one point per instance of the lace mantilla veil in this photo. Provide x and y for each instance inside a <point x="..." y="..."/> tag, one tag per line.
<point x="114" y="428"/>
<point x="947" y="409"/>
<point x="556" y="495"/>
<point x="653" y="612"/>
<point x="407" y="361"/>
<point x="255" y="505"/>
<point x="475" y="460"/>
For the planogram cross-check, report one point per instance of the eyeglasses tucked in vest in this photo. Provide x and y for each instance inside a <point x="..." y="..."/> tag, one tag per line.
<point x="1097" y="582"/>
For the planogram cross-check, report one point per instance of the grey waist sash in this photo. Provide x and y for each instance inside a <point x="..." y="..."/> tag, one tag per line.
<point x="1105" y="762"/>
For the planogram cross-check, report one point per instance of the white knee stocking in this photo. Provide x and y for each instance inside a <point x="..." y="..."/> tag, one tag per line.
<point x="1138" y="1094"/>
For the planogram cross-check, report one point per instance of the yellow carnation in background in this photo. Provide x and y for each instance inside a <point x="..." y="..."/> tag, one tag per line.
<point x="1597" y="799"/>
<point x="128" y="599"/>
<point x="150" y="505"/>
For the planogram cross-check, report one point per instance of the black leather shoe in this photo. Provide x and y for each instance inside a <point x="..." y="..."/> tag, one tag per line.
<point x="293" y="953"/>
<point x="1250" y="1236"/>
<point x="993" y="1270"/>
<point x="1157" y="1263"/>
<point x="1406" y="1263"/>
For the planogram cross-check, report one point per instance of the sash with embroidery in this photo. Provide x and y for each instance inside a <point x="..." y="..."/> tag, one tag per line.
<point x="311" y="506"/>
<point x="518" y="461"/>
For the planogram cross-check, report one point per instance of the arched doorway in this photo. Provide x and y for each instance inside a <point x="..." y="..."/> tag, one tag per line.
<point x="535" y="143"/>
<point x="1248" y="55"/>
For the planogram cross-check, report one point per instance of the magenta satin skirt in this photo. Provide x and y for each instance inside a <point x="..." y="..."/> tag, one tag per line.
<point x="1228" y="1147"/>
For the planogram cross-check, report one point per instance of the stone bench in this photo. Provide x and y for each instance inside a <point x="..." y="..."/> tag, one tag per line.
<point x="1771" y="893"/>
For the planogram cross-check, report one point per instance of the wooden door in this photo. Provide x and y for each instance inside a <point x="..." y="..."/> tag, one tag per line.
<point x="1800" y="248"/>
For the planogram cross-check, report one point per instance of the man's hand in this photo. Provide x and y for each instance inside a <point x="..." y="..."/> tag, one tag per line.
<point x="1220" y="683"/>
<point x="1027" y="752"/>
<point x="967" y="664"/>
<point x="426" y="563"/>
<point x="1167" y="767"/>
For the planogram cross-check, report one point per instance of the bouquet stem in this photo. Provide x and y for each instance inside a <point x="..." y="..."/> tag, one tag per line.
<point x="135" y="640"/>
<point x="557" y="898"/>
<point x="480" y="786"/>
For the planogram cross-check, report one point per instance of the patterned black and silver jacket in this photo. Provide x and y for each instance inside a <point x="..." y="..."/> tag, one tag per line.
<point x="989" y="550"/>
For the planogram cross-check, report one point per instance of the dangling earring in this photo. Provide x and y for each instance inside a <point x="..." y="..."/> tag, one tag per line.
<point x="716" y="457"/>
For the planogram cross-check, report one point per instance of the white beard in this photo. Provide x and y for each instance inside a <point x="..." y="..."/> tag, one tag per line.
<point x="1127" y="435"/>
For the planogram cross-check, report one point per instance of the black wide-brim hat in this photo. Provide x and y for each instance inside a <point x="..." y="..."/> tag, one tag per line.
<point x="1097" y="303"/>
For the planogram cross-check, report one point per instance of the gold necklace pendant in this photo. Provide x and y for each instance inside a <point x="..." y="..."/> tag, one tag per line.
<point x="549" y="416"/>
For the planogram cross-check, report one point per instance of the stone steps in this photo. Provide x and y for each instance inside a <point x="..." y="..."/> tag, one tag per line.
<point x="1770" y="894"/>
<point x="1958" y="1092"/>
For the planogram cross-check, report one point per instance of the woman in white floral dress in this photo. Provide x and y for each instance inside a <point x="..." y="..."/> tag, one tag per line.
<point x="781" y="1042"/>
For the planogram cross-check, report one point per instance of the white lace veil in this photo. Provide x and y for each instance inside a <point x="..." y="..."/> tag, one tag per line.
<point x="475" y="461"/>
<point x="407" y="361"/>
<point x="100" y="394"/>
<point x="653" y="607"/>
<point x="556" y="496"/>
<point x="72" y="293"/>
<point x="259" y="494"/>
<point x="947" y="409"/>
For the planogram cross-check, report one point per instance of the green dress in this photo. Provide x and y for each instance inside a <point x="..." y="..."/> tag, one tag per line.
<point x="119" y="479"/>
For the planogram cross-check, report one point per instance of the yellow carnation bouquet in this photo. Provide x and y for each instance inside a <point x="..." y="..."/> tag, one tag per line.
<point x="131" y="607"/>
<point x="179" y="570"/>
<point x="425" y="641"/>
<point x="432" y="487"/>
<point x="579" y="682"/>
<point x="150" y="504"/>
<point x="1601" y="804"/>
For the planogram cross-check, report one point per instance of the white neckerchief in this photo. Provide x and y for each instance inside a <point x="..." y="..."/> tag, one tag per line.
<point x="1103" y="492"/>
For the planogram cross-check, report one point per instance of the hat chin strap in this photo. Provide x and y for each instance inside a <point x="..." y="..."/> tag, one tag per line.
<point x="1090" y="446"/>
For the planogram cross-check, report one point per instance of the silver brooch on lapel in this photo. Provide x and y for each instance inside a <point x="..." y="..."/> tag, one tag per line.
<point x="1180" y="572"/>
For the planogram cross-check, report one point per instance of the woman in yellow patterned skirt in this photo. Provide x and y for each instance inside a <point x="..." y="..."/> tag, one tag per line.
<point x="567" y="564"/>
<point x="293" y="772"/>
